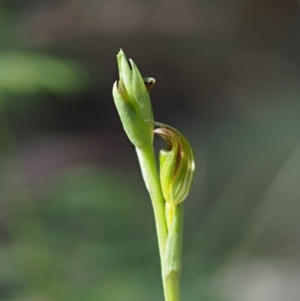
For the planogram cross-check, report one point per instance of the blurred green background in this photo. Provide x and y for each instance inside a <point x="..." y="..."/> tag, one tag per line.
<point x="76" y="222"/>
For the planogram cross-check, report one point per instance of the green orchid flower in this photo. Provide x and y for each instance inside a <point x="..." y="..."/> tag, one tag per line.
<point x="177" y="167"/>
<point x="167" y="188"/>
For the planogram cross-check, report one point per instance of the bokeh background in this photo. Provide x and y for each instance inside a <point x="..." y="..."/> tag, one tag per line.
<point x="76" y="222"/>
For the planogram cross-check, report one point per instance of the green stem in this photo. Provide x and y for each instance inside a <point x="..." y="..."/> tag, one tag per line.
<point x="172" y="258"/>
<point x="172" y="288"/>
<point x="150" y="174"/>
<point x="170" y="244"/>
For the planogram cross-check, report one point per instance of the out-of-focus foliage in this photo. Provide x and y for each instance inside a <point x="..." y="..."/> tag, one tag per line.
<point x="24" y="73"/>
<point x="66" y="244"/>
<point x="75" y="220"/>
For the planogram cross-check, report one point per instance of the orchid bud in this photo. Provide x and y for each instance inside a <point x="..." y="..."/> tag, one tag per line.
<point x="132" y="100"/>
<point x="177" y="167"/>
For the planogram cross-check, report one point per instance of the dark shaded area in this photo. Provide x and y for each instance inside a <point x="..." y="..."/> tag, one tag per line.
<point x="76" y="222"/>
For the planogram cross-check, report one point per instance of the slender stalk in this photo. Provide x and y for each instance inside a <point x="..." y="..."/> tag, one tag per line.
<point x="172" y="287"/>
<point x="150" y="174"/>
<point x="170" y="244"/>
<point x="172" y="258"/>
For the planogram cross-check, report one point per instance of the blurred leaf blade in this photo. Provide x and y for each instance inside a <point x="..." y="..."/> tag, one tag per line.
<point x="25" y="73"/>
